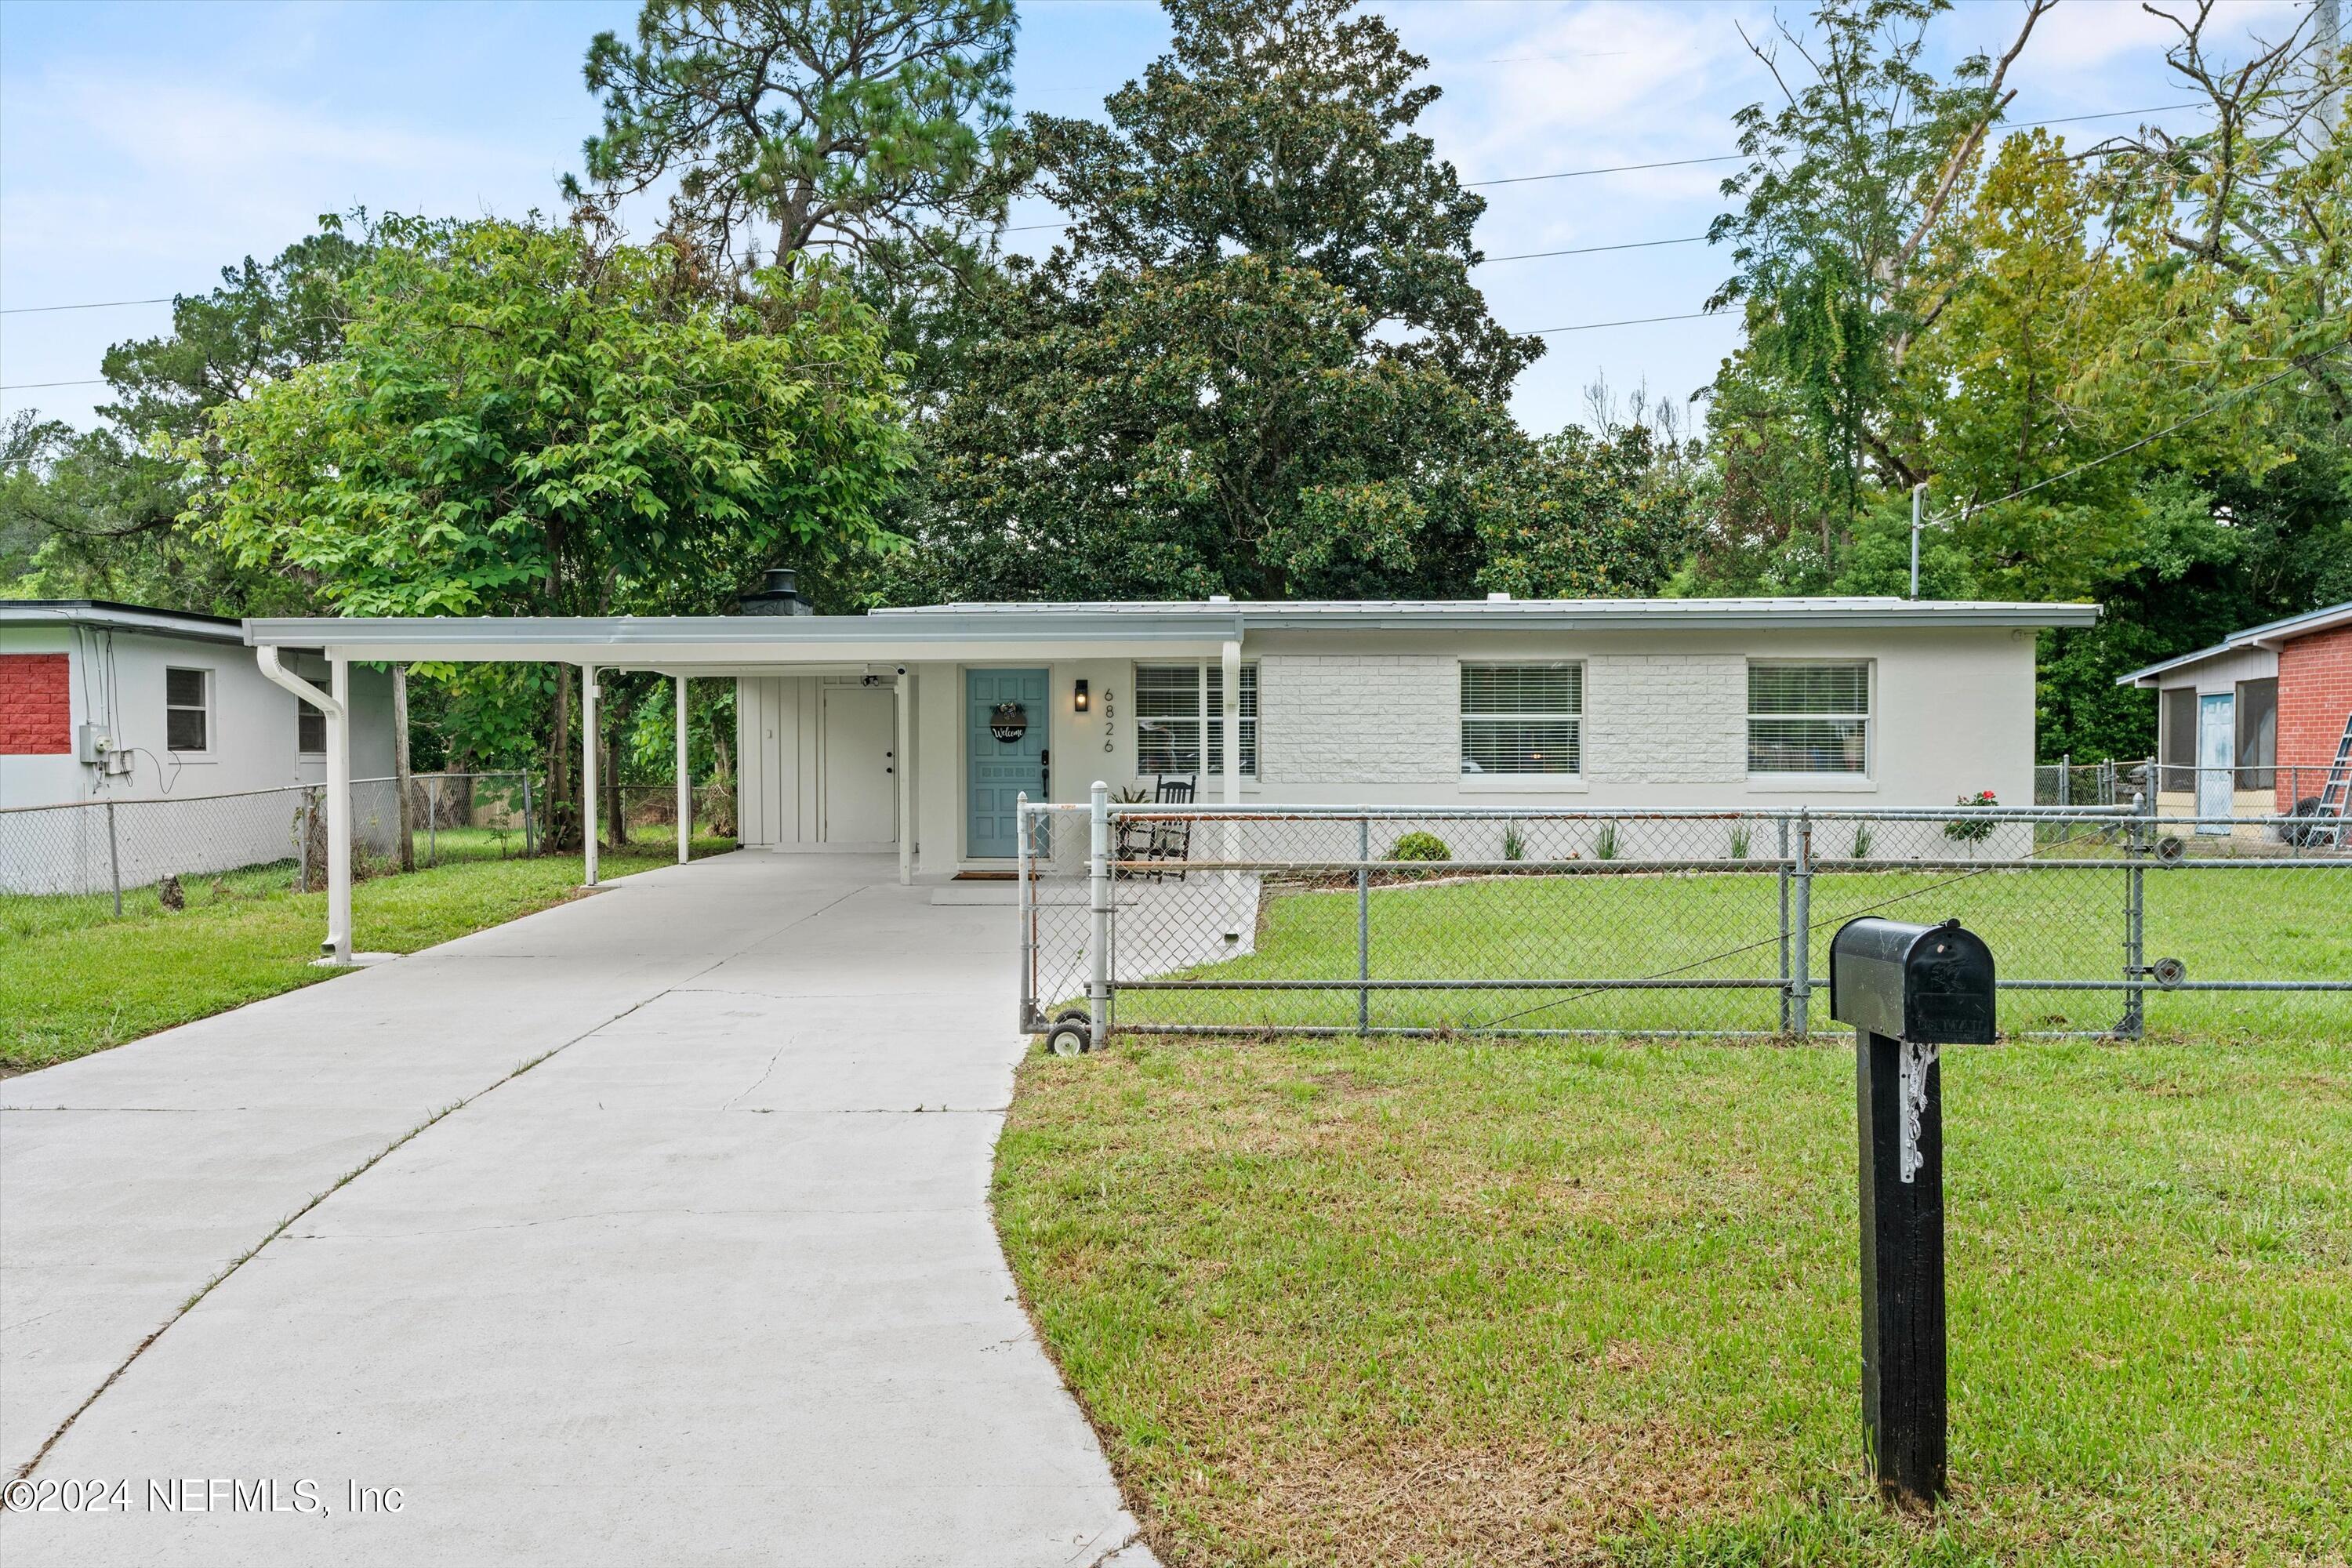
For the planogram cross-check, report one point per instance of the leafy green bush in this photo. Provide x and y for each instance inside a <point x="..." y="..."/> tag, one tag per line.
<point x="1419" y="846"/>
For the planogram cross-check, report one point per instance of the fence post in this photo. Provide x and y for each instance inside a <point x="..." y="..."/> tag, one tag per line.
<point x="1098" y="879"/>
<point x="1028" y="914"/>
<point x="2065" y="778"/>
<point x="433" y="820"/>
<point x="527" y="843"/>
<point x="1784" y="924"/>
<point x="1363" y="925"/>
<point x="2133" y="1025"/>
<point x="1800" y="952"/>
<point x="113" y="861"/>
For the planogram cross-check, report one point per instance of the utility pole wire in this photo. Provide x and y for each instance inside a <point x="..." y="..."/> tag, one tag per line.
<point x="2213" y="408"/>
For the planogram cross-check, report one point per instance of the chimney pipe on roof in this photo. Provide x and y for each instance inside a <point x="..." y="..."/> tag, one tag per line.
<point x="781" y="596"/>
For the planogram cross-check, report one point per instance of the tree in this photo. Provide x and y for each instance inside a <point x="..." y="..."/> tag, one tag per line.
<point x="867" y="129"/>
<point x="97" y="513"/>
<point x="1255" y="363"/>
<point x="1283" y="130"/>
<point x="533" y="420"/>
<point x="1589" y="516"/>
<point x="1846" y="183"/>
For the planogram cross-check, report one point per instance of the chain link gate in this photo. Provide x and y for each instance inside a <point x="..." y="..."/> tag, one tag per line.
<point x="2107" y="921"/>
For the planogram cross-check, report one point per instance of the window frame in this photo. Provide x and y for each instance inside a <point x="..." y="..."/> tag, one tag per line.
<point x="204" y="709"/>
<point x="304" y="716"/>
<point x="1518" y="778"/>
<point x="1208" y="737"/>
<point x="2256" y="756"/>
<point x="2175" y="738"/>
<point x="1850" y="778"/>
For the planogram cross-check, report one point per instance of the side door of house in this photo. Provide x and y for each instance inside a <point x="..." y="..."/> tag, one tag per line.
<point x="2216" y="755"/>
<point x="1005" y="732"/>
<point x="861" y="793"/>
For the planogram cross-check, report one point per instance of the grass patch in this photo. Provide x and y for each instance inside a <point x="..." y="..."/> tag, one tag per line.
<point x="2274" y="922"/>
<point x="1563" y="1301"/>
<point x="75" y="980"/>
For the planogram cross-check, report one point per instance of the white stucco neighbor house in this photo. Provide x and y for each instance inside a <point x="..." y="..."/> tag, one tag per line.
<point x="914" y="731"/>
<point x="107" y="701"/>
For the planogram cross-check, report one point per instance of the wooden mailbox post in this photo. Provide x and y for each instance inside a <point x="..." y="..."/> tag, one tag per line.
<point x="1907" y="990"/>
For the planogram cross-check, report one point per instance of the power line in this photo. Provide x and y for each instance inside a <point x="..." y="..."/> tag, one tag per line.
<point x="1688" y="162"/>
<point x="30" y="385"/>
<point x="2213" y="408"/>
<point x="1630" y="322"/>
<point x="1593" y="249"/>
<point x="94" y="305"/>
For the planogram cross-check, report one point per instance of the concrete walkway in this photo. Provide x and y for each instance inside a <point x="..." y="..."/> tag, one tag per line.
<point x="690" y="1261"/>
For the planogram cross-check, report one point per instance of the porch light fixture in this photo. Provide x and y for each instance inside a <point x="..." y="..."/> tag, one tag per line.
<point x="1079" y="697"/>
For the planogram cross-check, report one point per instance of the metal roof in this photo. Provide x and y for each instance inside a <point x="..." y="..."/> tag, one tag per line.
<point x="1546" y="614"/>
<point x="2269" y="635"/>
<point x="943" y="631"/>
<point x="108" y="615"/>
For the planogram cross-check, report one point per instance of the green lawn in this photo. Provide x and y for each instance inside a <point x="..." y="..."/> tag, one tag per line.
<point x="74" y="979"/>
<point x="2270" y="922"/>
<point x="1558" y="1301"/>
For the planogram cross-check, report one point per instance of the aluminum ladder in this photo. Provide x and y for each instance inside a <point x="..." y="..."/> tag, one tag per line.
<point x="2334" y="793"/>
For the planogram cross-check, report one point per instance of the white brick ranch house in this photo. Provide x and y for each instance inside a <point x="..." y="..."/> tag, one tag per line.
<point x="914" y="731"/>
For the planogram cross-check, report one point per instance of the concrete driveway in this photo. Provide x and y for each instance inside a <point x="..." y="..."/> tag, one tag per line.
<point x="668" y="1242"/>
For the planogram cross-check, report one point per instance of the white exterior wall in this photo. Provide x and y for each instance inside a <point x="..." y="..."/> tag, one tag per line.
<point x="166" y="819"/>
<point x="1373" y="718"/>
<point x="118" y="677"/>
<point x="779" y="738"/>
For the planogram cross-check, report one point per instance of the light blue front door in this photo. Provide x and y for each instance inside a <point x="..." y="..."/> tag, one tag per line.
<point x="997" y="771"/>
<point x="2217" y="743"/>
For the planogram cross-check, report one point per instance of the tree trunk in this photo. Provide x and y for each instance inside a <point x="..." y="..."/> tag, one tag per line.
<point x="612" y="719"/>
<point x="401" y="786"/>
<point x="561" y="809"/>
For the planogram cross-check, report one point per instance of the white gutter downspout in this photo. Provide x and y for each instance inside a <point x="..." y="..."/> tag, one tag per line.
<point x="336" y="948"/>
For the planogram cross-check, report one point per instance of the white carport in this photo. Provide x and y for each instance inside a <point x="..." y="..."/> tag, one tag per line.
<point x="737" y="647"/>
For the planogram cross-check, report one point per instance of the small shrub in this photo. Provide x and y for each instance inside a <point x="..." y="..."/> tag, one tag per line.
<point x="1972" y="831"/>
<point x="1863" y="841"/>
<point x="168" y="893"/>
<point x="1605" y="847"/>
<point x="1515" y="843"/>
<point x="1739" y="841"/>
<point x="1419" y="846"/>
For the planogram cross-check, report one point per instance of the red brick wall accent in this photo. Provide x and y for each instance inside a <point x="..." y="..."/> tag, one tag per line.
<point x="2315" y="693"/>
<point x="35" y="704"/>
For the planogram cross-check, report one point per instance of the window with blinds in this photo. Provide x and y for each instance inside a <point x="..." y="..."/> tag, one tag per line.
<point x="1522" y="718"/>
<point x="188" y="709"/>
<point x="1179" y="706"/>
<point x="1808" y="717"/>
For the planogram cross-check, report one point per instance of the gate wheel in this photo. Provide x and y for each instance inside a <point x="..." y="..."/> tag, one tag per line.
<point x="1073" y="1035"/>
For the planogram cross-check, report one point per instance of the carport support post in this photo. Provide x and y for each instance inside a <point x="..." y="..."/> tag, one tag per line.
<point x="685" y="788"/>
<point x="588" y="774"/>
<point x="903" y="775"/>
<point x="1903" y="1393"/>
<point x="1099" y="880"/>
<point x="339" y="809"/>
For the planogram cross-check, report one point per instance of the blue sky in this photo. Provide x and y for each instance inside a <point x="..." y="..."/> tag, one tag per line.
<point x="142" y="146"/>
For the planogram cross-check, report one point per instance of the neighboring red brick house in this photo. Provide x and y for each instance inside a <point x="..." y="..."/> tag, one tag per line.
<point x="2262" y="720"/>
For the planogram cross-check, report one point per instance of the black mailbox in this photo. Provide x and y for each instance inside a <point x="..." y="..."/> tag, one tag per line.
<point x="1932" y="986"/>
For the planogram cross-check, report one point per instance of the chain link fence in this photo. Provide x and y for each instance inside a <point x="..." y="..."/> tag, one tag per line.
<point x="2106" y="920"/>
<point x="67" y="865"/>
